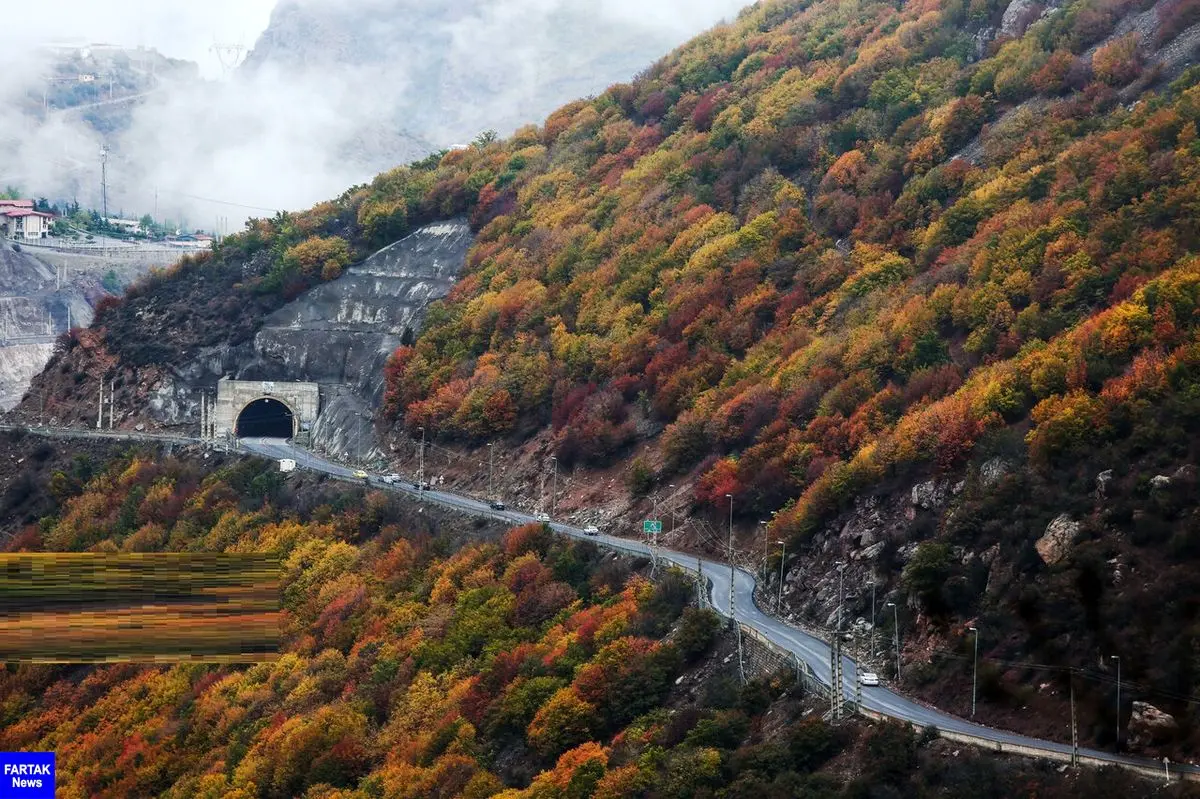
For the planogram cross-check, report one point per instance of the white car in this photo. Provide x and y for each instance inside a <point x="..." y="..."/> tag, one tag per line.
<point x="542" y="517"/>
<point x="868" y="678"/>
<point x="391" y="479"/>
<point x="591" y="529"/>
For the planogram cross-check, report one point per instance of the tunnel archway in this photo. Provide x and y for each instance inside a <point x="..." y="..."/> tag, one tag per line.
<point x="266" y="418"/>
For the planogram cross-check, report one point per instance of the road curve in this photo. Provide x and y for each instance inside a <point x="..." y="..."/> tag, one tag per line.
<point x="812" y="650"/>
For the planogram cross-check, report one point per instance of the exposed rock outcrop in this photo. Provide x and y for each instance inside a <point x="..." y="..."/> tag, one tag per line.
<point x="1148" y="725"/>
<point x="1056" y="542"/>
<point x="338" y="335"/>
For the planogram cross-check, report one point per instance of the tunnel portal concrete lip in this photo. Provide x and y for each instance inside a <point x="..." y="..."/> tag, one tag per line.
<point x="302" y="399"/>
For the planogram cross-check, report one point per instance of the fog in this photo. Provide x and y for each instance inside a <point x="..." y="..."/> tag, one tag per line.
<point x="336" y="91"/>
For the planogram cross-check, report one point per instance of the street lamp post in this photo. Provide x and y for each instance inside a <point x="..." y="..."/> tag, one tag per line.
<point x="672" y="510"/>
<point x="766" y="543"/>
<point x="872" y="617"/>
<point x="731" y="571"/>
<point x="491" y="468"/>
<point x="974" y="671"/>
<point x="896" y="636"/>
<point x="782" y="558"/>
<point x="1118" y="659"/>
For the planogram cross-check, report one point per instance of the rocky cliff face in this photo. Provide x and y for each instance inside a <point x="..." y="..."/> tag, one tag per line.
<point x="33" y="310"/>
<point x="338" y="335"/>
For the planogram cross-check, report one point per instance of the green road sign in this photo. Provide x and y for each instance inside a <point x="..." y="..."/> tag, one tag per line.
<point x="651" y="527"/>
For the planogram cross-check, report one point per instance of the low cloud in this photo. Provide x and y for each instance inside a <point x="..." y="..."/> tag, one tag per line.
<point x="328" y="107"/>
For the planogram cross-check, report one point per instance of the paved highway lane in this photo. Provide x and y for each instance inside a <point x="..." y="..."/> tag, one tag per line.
<point x="814" y="651"/>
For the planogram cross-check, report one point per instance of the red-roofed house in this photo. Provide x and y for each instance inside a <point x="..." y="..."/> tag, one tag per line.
<point x="20" y="221"/>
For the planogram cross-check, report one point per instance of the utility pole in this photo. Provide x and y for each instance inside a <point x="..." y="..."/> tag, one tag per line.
<point x="858" y="680"/>
<point x="112" y="403"/>
<point x="699" y="584"/>
<point x="1074" y="725"/>
<point x="104" y="180"/>
<point x="1118" y="659"/>
<point x="841" y="567"/>
<point x="100" y="408"/>
<point x="203" y="421"/>
<point x="554" y="488"/>
<point x="731" y="571"/>
<point x="974" y="671"/>
<point x="896" y="636"/>
<point x="421" y="467"/>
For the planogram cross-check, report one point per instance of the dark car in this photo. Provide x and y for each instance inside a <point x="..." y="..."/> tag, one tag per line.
<point x="497" y="505"/>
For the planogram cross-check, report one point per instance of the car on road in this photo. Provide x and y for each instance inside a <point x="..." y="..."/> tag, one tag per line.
<point x="422" y="486"/>
<point x="542" y="517"/>
<point x="868" y="678"/>
<point x="359" y="474"/>
<point x="391" y="479"/>
<point x="591" y="529"/>
<point x="496" y="504"/>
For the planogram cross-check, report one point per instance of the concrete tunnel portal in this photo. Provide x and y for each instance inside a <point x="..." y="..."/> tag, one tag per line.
<point x="260" y="409"/>
<point x="266" y="418"/>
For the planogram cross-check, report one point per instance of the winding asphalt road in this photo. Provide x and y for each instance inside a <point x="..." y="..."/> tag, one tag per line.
<point x="810" y="649"/>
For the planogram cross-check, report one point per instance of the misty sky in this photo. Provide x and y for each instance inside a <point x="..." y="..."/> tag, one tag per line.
<point x="217" y="152"/>
<point x="177" y="28"/>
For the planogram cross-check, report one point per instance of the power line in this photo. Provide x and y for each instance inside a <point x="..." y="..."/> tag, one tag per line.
<point x="221" y="202"/>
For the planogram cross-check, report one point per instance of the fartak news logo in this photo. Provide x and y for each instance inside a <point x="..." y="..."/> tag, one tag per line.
<point x="26" y="775"/>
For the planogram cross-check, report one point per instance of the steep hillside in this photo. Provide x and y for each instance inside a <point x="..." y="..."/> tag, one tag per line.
<point x="417" y="664"/>
<point x="917" y="283"/>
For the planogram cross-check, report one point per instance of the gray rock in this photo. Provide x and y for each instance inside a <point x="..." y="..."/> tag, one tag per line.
<point x="992" y="470"/>
<point x="1016" y="17"/>
<point x="1149" y="725"/>
<point x="1159" y="482"/>
<point x="1056" y="542"/>
<point x="929" y="495"/>
<point x="1102" y="480"/>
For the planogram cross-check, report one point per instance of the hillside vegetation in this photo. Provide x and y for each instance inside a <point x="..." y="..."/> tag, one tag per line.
<point x="412" y="667"/>
<point x="829" y="250"/>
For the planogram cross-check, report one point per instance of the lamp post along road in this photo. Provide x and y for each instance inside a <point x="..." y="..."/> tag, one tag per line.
<point x="491" y="468"/>
<point x="1118" y="659"/>
<point x="554" y="487"/>
<point x="872" y="618"/>
<point x="766" y="543"/>
<point x="974" y="670"/>
<point x="896" y="636"/>
<point x="732" y="618"/>
<point x="782" y="558"/>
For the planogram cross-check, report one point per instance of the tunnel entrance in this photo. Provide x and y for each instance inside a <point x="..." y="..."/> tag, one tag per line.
<point x="266" y="418"/>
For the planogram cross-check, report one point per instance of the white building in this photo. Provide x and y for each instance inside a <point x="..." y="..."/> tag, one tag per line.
<point x="19" y="220"/>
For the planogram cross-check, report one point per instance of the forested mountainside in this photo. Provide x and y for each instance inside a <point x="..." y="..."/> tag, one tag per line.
<point x="416" y="665"/>
<point x="818" y="258"/>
